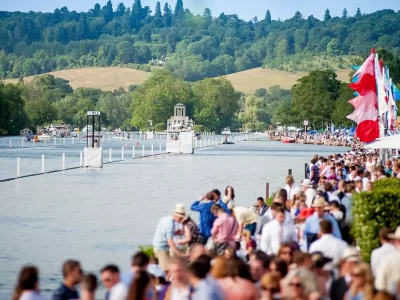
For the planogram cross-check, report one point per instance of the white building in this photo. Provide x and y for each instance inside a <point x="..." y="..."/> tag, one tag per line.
<point x="179" y="122"/>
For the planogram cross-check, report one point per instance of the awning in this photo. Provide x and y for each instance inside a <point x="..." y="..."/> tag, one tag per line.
<point x="389" y="142"/>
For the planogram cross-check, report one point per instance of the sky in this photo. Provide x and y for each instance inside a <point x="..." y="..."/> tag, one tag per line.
<point x="283" y="9"/>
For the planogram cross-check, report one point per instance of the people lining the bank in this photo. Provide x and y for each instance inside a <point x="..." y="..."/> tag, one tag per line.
<point x="299" y="247"/>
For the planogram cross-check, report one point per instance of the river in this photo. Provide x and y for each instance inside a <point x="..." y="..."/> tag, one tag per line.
<point x="102" y="216"/>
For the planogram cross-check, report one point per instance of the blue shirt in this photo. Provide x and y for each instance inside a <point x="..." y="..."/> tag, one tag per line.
<point x="206" y="216"/>
<point x="127" y="278"/>
<point x="164" y="232"/>
<point x="209" y="289"/>
<point x="312" y="225"/>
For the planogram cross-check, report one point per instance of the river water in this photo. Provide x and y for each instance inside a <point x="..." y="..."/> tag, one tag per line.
<point x="102" y="216"/>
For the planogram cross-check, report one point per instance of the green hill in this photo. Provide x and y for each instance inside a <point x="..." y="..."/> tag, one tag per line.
<point x="192" y="46"/>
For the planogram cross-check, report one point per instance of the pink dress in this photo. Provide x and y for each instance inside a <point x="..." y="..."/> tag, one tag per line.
<point x="238" y="289"/>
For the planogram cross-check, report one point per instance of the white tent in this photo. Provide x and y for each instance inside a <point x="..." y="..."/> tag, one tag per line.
<point x="388" y="142"/>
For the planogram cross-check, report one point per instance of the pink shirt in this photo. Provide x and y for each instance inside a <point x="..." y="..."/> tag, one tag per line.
<point x="224" y="229"/>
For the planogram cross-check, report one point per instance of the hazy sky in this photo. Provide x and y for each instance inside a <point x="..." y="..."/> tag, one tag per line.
<point x="246" y="9"/>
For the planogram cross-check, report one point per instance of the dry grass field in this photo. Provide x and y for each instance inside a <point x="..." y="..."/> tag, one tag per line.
<point x="107" y="79"/>
<point x="111" y="78"/>
<point x="251" y="80"/>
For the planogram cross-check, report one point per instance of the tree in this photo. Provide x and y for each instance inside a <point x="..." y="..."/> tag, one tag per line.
<point x="207" y="15"/>
<point x="155" y="99"/>
<point x="121" y="8"/>
<point x="116" y="108"/>
<point x="358" y="12"/>
<point x="158" y="18"/>
<point x="298" y="15"/>
<point x="12" y="114"/>
<point x="167" y="16"/>
<point x="216" y="103"/>
<point x="314" y="95"/>
<point x="345" y="13"/>
<point x="179" y="12"/>
<point x="327" y="15"/>
<point x="333" y="47"/>
<point x="393" y="63"/>
<point x="268" y="18"/>
<point x="342" y="107"/>
<point x="107" y="12"/>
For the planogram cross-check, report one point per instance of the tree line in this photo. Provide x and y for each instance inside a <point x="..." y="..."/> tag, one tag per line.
<point x="193" y="47"/>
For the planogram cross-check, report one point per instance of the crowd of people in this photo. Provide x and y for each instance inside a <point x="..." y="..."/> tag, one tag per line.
<point x="324" y="138"/>
<point x="297" y="247"/>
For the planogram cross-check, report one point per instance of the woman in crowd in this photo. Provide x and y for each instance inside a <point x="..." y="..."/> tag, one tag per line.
<point x="234" y="286"/>
<point x="362" y="283"/>
<point x="251" y="244"/>
<point x="191" y="233"/>
<point x="270" y="286"/>
<point x="28" y="284"/>
<point x="279" y="266"/>
<point x="229" y="195"/>
<point x="286" y="253"/>
<point x="300" y="284"/>
<point x="139" y="287"/>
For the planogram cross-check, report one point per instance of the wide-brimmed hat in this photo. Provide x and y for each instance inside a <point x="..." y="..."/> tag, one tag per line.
<point x="307" y="183"/>
<point x="179" y="210"/>
<point x="350" y="254"/>
<point x="319" y="202"/>
<point x="395" y="235"/>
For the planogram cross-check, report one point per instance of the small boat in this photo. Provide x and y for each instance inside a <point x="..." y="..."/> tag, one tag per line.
<point x="42" y="137"/>
<point x="288" y="141"/>
<point x="228" y="143"/>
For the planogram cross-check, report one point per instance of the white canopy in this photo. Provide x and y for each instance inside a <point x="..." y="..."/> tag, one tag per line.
<point x="388" y="142"/>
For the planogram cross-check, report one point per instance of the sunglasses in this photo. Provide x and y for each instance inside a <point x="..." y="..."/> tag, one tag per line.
<point x="296" y="284"/>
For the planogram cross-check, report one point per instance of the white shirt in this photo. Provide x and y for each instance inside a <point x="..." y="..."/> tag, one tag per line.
<point x="118" y="292"/>
<point x="330" y="247"/>
<point x="310" y="194"/>
<point x="30" y="295"/>
<point x="333" y="197"/>
<point x="275" y="234"/>
<point x="379" y="253"/>
<point x="291" y="191"/>
<point x="388" y="273"/>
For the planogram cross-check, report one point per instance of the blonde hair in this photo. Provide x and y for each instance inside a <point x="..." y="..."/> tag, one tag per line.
<point x="271" y="281"/>
<point x="307" y="278"/>
<point x="365" y="271"/>
<point x="218" y="269"/>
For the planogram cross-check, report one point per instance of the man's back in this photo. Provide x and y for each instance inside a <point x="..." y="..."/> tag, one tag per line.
<point x="65" y="293"/>
<point x="330" y="247"/>
<point x="388" y="273"/>
<point x="378" y="254"/>
<point x="209" y="289"/>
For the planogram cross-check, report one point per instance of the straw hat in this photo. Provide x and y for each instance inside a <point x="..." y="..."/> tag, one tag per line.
<point x="395" y="235"/>
<point x="319" y="202"/>
<point x="350" y="254"/>
<point x="307" y="183"/>
<point x="179" y="210"/>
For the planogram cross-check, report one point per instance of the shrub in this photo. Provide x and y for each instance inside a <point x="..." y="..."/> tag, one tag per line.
<point x="159" y="127"/>
<point x="387" y="184"/>
<point x="372" y="211"/>
<point x="147" y="249"/>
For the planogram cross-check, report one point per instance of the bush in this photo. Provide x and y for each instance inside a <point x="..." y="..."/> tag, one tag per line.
<point x="372" y="211"/>
<point x="387" y="184"/>
<point x="159" y="127"/>
<point x="148" y="250"/>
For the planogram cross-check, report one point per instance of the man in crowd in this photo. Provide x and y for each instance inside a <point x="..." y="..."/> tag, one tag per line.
<point x="308" y="189"/>
<point x="88" y="287"/>
<point x="290" y="187"/>
<point x="311" y="228"/>
<point x="246" y="218"/>
<point x="261" y="206"/>
<point x="386" y="248"/>
<point x="116" y="289"/>
<point x="349" y="261"/>
<point x="140" y="262"/>
<point x="203" y="206"/>
<point x="327" y="244"/>
<point x="163" y="241"/>
<point x="224" y="230"/>
<point x="388" y="272"/>
<point x="204" y="287"/>
<point x="277" y="232"/>
<point x="72" y="274"/>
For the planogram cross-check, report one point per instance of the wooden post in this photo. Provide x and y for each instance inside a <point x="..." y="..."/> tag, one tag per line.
<point x="266" y="191"/>
<point x="305" y="170"/>
<point x="290" y="172"/>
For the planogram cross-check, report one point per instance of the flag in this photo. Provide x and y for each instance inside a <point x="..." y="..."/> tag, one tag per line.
<point x="380" y="88"/>
<point x="396" y="92"/>
<point x="365" y="114"/>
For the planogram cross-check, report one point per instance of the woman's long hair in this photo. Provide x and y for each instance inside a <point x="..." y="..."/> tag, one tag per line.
<point x="138" y="288"/>
<point x="27" y="280"/>
<point x="364" y="271"/>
